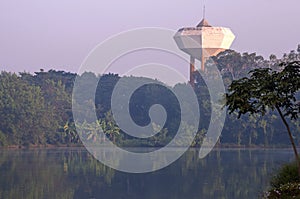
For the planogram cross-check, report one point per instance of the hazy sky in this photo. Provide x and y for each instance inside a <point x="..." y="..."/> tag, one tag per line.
<point x="56" y="34"/>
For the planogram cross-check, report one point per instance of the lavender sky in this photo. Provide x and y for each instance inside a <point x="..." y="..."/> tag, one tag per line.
<point x="46" y="34"/>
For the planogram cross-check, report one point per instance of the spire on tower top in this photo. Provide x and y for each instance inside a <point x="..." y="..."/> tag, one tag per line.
<point x="203" y="23"/>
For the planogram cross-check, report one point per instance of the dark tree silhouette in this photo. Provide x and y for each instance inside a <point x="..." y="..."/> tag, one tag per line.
<point x="268" y="89"/>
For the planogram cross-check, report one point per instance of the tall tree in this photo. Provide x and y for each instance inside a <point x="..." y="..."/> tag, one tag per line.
<point x="268" y="89"/>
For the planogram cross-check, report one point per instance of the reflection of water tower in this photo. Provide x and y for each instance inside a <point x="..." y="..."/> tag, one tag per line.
<point x="203" y="41"/>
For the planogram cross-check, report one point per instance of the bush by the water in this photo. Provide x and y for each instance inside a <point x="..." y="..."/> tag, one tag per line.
<point x="285" y="191"/>
<point x="285" y="184"/>
<point x="286" y="174"/>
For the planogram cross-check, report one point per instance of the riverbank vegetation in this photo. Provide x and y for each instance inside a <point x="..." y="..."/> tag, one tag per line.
<point x="285" y="183"/>
<point x="36" y="109"/>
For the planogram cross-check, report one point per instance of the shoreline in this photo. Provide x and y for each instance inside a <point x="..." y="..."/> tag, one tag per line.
<point x="70" y="146"/>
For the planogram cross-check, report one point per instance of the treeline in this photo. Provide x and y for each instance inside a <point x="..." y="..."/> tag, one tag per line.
<point x="36" y="109"/>
<point x="33" y="108"/>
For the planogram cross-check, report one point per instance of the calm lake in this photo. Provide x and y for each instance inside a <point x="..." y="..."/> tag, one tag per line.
<point x="74" y="173"/>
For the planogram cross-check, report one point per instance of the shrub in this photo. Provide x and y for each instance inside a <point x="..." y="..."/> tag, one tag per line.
<point x="285" y="184"/>
<point x="286" y="174"/>
<point x="285" y="191"/>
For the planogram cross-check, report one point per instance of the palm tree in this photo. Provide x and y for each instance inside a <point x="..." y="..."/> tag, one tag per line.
<point x="111" y="129"/>
<point x="70" y="135"/>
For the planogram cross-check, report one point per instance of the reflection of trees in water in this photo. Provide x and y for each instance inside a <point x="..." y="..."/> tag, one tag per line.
<point x="32" y="174"/>
<point x="224" y="174"/>
<point x="50" y="174"/>
<point x="76" y="174"/>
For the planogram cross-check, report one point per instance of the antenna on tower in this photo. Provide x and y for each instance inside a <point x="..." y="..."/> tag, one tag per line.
<point x="204" y="11"/>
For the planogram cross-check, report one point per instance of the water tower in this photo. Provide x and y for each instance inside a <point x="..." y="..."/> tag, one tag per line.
<point x="202" y="42"/>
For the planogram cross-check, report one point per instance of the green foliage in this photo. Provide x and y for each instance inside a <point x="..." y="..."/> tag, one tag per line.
<point x="69" y="134"/>
<point x="34" y="109"/>
<point x="30" y="111"/>
<point x="22" y="111"/>
<point x="266" y="88"/>
<point x="286" y="174"/>
<point x="285" y="191"/>
<point x="285" y="183"/>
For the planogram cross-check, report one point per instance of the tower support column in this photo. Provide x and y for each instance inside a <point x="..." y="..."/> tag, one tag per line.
<point x="203" y="61"/>
<point x="192" y="70"/>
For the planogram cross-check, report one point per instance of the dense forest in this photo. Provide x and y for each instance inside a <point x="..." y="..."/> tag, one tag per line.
<point x="36" y="109"/>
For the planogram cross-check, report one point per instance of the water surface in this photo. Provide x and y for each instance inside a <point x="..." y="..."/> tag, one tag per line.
<point x="74" y="173"/>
